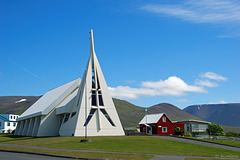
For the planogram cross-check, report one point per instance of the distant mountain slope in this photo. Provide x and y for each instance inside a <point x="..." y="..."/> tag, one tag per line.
<point x="16" y="104"/>
<point x="224" y="114"/>
<point x="129" y="114"/>
<point x="173" y="112"/>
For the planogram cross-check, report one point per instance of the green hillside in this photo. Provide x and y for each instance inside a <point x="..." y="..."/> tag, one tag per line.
<point x="173" y="112"/>
<point x="8" y="104"/>
<point x="129" y="114"/>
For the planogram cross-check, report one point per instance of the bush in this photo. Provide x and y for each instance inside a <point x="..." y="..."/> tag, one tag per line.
<point x="232" y="134"/>
<point x="187" y="134"/>
<point x="178" y="131"/>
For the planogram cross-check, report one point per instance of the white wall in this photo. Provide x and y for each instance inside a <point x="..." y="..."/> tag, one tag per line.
<point x="11" y="125"/>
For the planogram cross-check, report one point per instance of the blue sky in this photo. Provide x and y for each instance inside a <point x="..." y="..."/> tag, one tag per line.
<point x="179" y="52"/>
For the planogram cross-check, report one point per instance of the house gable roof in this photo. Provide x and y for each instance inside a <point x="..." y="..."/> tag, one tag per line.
<point x="4" y="117"/>
<point x="151" y="118"/>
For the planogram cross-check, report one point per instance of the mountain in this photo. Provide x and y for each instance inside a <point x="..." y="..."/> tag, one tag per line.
<point x="173" y="112"/>
<point x="224" y="114"/>
<point x="16" y="104"/>
<point x="129" y="114"/>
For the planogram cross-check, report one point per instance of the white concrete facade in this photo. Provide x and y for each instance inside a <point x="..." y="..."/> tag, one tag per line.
<point x="8" y="122"/>
<point x="76" y="108"/>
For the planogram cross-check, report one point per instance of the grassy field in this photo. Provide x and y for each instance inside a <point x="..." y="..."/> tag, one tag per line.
<point x="130" y="144"/>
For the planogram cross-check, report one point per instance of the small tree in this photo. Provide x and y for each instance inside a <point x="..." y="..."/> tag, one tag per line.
<point x="215" y="129"/>
<point x="178" y="131"/>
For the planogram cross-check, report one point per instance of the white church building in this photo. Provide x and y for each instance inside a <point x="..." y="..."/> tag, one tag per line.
<point x="78" y="108"/>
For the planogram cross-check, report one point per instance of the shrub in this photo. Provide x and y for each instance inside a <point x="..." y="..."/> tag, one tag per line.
<point x="178" y="131"/>
<point x="232" y="134"/>
<point x="187" y="134"/>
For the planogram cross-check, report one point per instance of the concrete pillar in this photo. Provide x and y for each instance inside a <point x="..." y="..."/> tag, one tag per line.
<point x="30" y="127"/>
<point x="17" y="129"/>
<point x="21" y="127"/>
<point x="24" y="133"/>
<point x="36" y="126"/>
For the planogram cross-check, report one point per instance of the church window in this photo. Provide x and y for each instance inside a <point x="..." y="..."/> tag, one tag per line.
<point x="94" y="101"/>
<point x="93" y="79"/>
<point x="73" y="114"/>
<point x="66" y="118"/>
<point x="107" y="116"/>
<point x="100" y="98"/>
<point x="98" y="87"/>
<point x="89" y="116"/>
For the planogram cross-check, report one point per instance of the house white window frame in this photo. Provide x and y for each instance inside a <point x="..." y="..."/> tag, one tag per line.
<point x="8" y="124"/>
<point x="163" y="129"/>
<point x="164" y="119"/>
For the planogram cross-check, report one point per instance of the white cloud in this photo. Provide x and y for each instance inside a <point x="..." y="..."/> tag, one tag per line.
<point x="205" y="83"/>
<point x="202" y="11"/>
<point x="173" y="86"/>
<point x="219" y="102"/>
<point x="214" y="76"/>
<point x="126" y="92"/>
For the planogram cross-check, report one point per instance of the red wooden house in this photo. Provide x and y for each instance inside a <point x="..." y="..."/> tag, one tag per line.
<point x="158" y="124"/>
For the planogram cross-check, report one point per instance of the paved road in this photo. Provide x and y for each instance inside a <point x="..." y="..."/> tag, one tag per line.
<point x="200" y="142"/>
<point x="23" y="156"/>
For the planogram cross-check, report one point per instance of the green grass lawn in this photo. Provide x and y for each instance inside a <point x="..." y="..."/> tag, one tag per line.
<point x="130" y="144"/>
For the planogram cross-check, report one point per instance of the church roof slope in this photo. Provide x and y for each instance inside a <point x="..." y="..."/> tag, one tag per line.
<point x="50" y="100"/>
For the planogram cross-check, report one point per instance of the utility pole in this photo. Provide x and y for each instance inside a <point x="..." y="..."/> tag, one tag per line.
<point x="146" y="120"/>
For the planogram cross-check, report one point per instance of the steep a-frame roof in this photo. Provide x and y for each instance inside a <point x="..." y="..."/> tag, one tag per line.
<point x="50" y="100"/>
